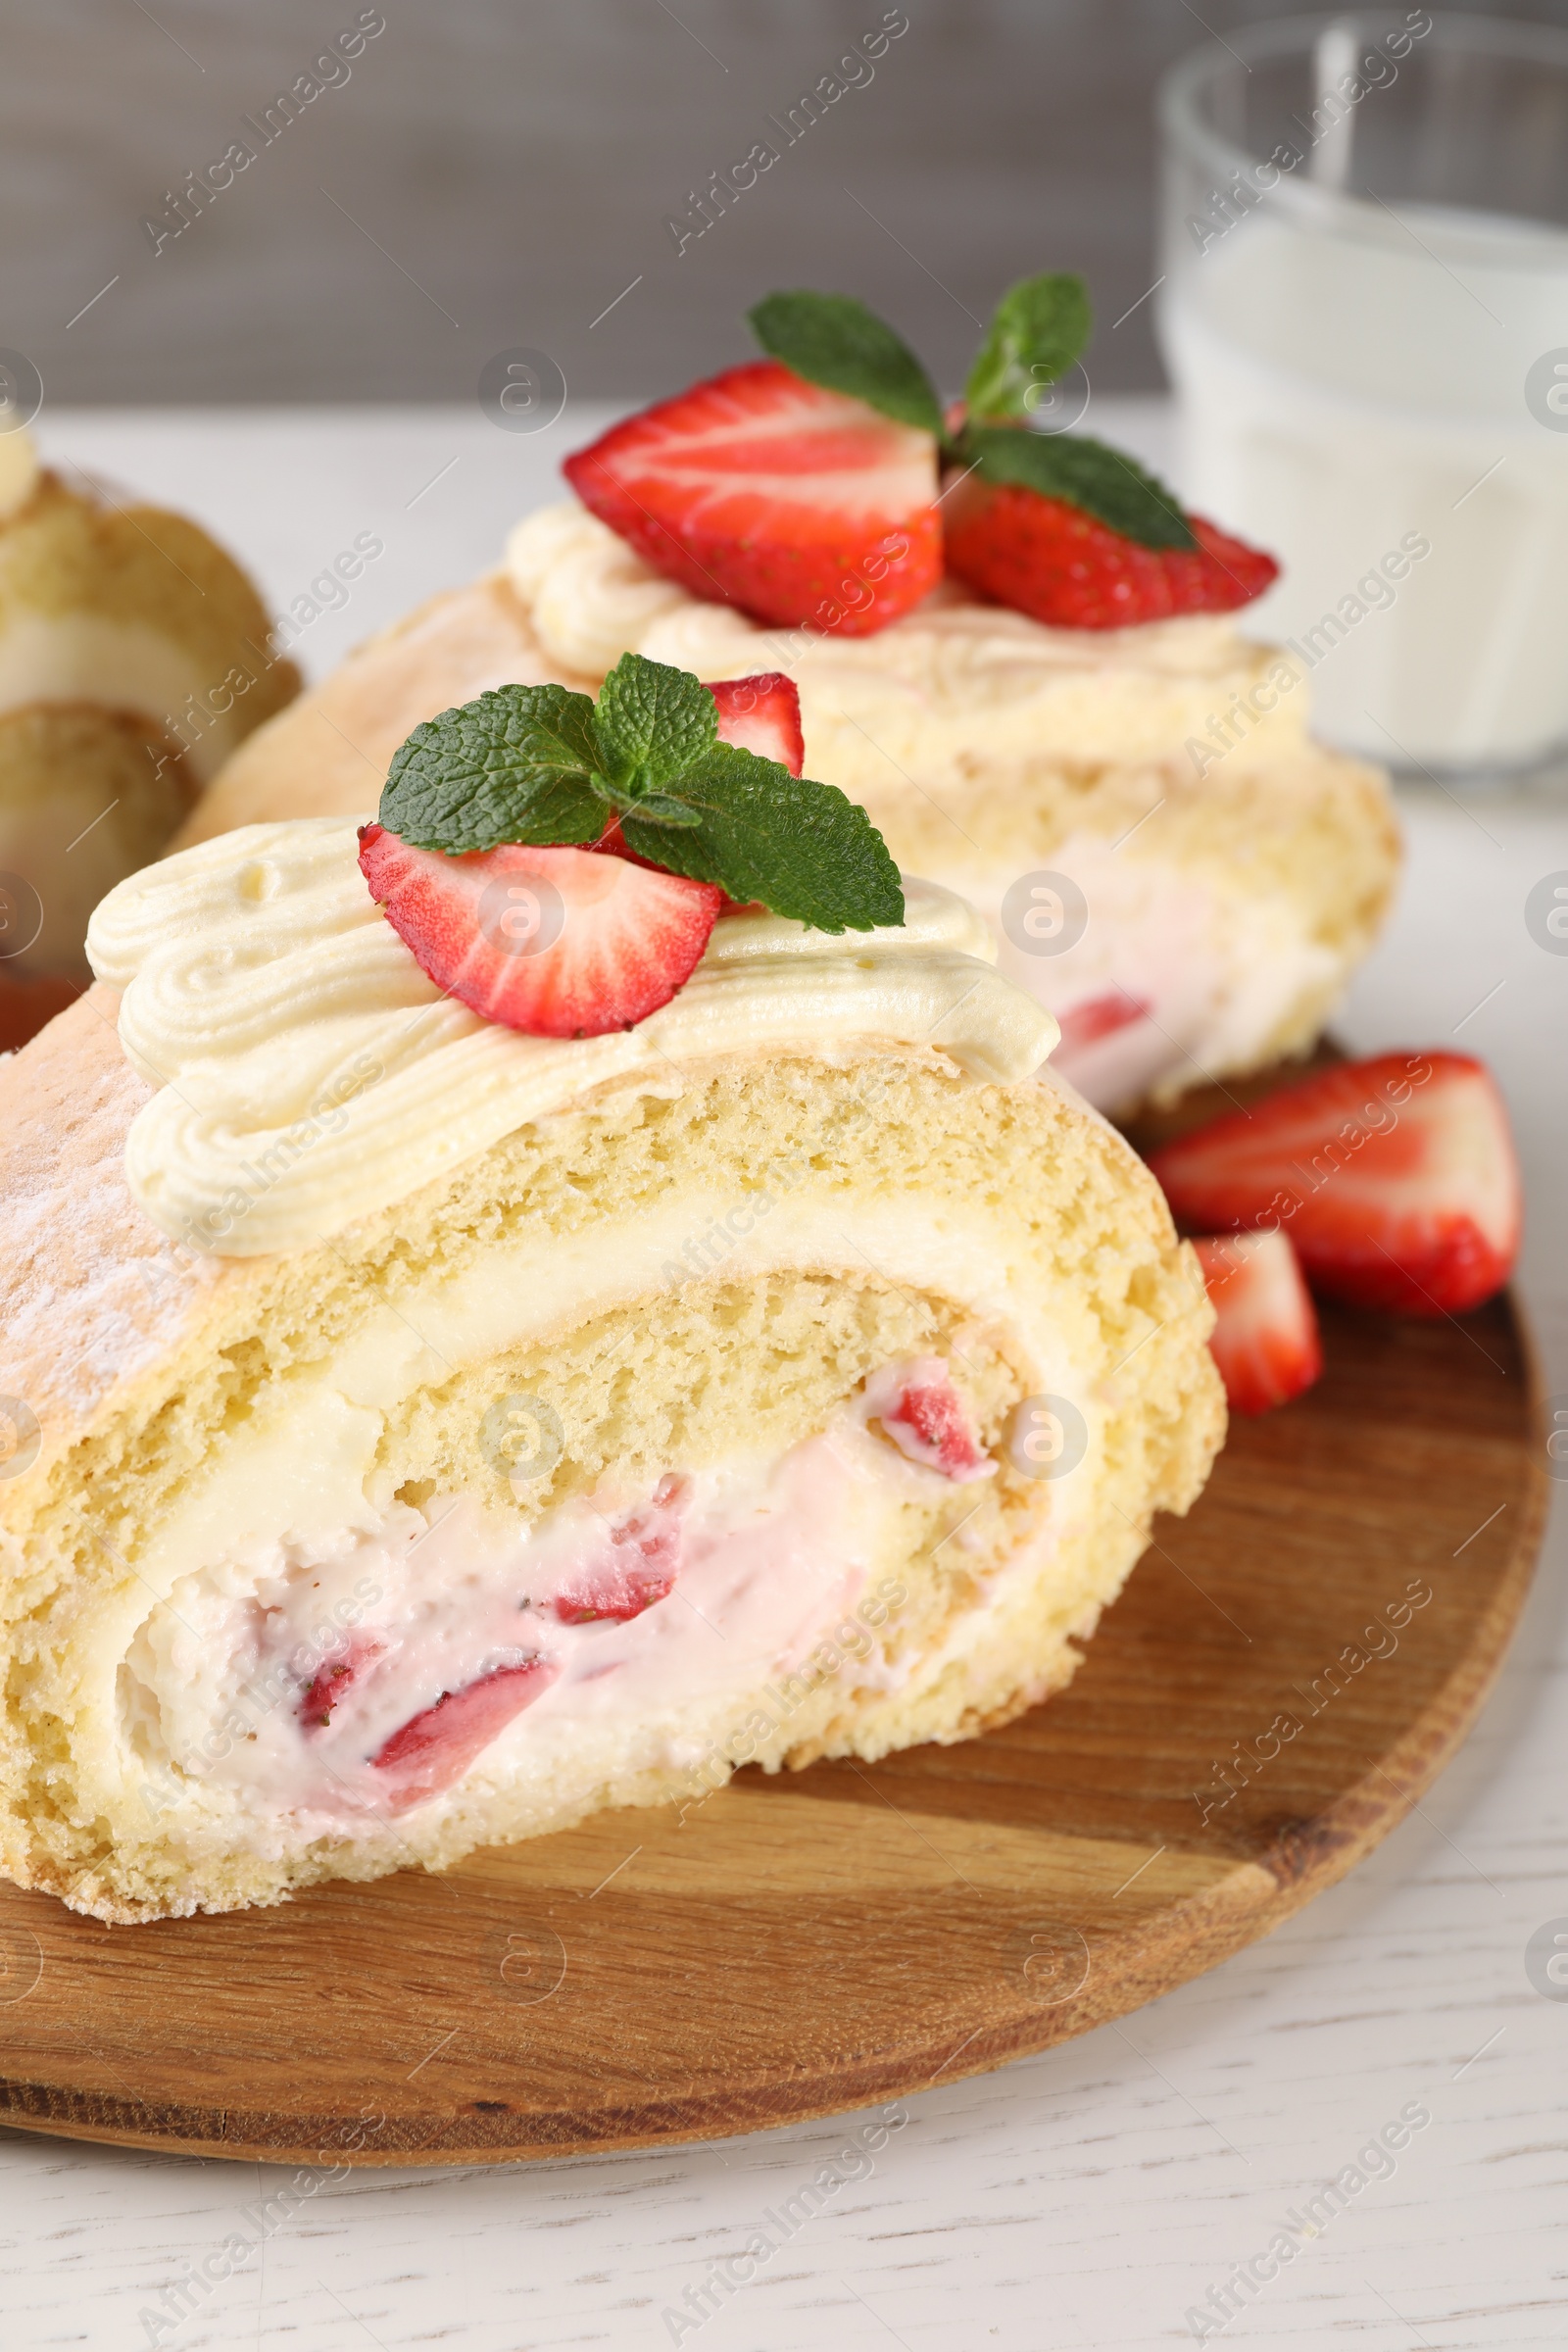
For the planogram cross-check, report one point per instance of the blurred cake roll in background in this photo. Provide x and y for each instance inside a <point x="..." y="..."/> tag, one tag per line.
<point x="1173" y="866"/>
<point x="134" y="657"/>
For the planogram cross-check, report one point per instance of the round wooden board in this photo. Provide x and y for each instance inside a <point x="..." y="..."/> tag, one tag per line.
<point x="809" y="1943"/>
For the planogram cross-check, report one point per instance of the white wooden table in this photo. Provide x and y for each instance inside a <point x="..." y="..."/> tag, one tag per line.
<point x="1089" y="2197"/>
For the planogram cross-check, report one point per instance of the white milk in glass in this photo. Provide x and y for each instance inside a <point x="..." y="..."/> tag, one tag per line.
<point x="1347" y="395"/>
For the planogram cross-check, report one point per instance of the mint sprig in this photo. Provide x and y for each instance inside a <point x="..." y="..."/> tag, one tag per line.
<point x="1039" y="329"/>
<point x="541" y="764"/>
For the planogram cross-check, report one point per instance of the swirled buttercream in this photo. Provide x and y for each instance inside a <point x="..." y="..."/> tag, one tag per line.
<point x="308" y="1073"/>
<point x="955" y="681"/>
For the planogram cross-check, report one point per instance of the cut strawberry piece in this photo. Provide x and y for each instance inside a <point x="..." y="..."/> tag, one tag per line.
<point x="435" y="1748"/>
<point x="922" y="1412"/>
<point x="762" y="714"/>
<point x="640" y="1567"/>
<point x="1095" y="1017"/>
<point x="1064" y="567"/>
<point x="336" y="1677"/>
<point x="761" y="490"/>
<point x="556" y="942"/>
<point x="1394" y="1178"/>
<point x="1265" y="1342"/>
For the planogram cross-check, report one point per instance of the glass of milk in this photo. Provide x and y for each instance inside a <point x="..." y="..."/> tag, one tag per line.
<point x="1364" y="308"/>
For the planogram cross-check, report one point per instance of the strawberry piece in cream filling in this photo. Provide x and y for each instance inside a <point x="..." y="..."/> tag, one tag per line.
<point x="1100" y="1016"/>
<point x="921" y="1411"/>
<point x="336" y="1677"/>
<point x="639" y="1568"/>
<point x="435" y="1748"/>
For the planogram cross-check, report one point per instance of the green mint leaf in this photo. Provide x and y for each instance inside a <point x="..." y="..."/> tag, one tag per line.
<point x="1040" y="327"/>
<point x="517" y="764"/>
<point x="660" y="809"/>
<point x="801" y="848"/>
<point x="1087" y="473"/>
<point x="834" y="340"/>
<point x="651" y="722"/>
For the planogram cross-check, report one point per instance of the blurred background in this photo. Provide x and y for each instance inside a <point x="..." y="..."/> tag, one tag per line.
<point x="483" y="174"/>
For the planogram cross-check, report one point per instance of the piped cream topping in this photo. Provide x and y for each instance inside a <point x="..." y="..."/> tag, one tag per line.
<point x="308" y="1073"/>
<point x="953" y="680"/>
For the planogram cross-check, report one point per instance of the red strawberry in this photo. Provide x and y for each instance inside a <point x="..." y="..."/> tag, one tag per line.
<point x="1395" y="1179"/>
<point x="1265" y="1342"/>
<point x="640" y="1568"/>
<point x="1058" y="565"/>
<point x="761" y="713"/>
<point x="556" y="942"/>
<point x="336" y="1677"/>
<point x="435" y="1748"/>
<point x="1086" y="1023"/>
<point x="922" y="1412"/>
<point x="761" y="490"/>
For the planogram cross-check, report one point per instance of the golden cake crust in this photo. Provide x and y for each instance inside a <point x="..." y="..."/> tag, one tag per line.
<point x="327" y="755"/>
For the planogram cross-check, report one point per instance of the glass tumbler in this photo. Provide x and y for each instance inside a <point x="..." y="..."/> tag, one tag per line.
<point x="1364" y="309"/>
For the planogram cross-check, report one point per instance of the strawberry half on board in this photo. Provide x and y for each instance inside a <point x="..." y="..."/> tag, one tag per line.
<point x="553" y="942"/>
<point x="759" y="489"/>
<point x="1394" y="1177"/>
<point x="1061" y="565"/>
<point x="1265" y="1340"/>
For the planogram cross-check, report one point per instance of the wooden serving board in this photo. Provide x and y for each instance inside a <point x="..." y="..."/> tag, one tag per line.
<point x="1286" y="1673"/>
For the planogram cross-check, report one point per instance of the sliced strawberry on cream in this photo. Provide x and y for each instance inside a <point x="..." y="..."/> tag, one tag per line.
<point x="1265" y="1342"/>
<point x="1394" y="1177"/>
<point x="918" y="1408"/>
<point x="556" y="942"/>
<point x="762" y="714"/>
<point x="761" y="490"/>
<point x="435" y="1748"/>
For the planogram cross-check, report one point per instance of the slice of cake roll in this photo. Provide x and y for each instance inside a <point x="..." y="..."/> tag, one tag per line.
<point x="427" y="1431"/>
<point x="1012" y="647"/>
<point x="134" y="657"/>
<point x="1171" y="864"/>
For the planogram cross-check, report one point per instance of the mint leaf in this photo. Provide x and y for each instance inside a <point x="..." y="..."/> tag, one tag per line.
<point x="541" y="764"/>
<point x="515" y="764"/>
<point x="651" y="722"/>
<point x="1087" y="473"/>
<point x="1040" y="327"/>
<point x="834" y="340"/>
<point x="803" y="849"/>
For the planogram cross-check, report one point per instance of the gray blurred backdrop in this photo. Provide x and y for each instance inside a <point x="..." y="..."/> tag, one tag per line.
<point x="481" y="175"/>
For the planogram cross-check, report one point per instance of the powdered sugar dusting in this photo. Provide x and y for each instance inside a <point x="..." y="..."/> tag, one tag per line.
<point x="91" y="1294"/>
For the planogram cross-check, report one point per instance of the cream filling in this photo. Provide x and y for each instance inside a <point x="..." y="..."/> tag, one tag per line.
<point x="295" y="1495"/>
<point x="311" y="1074"/>
<point x="1172" y="976"/>
<point x="953" y="686"/>
<point x="282" y="1678"/>
<point x="116" y="665"/>
<point x="284" y="1557"/>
